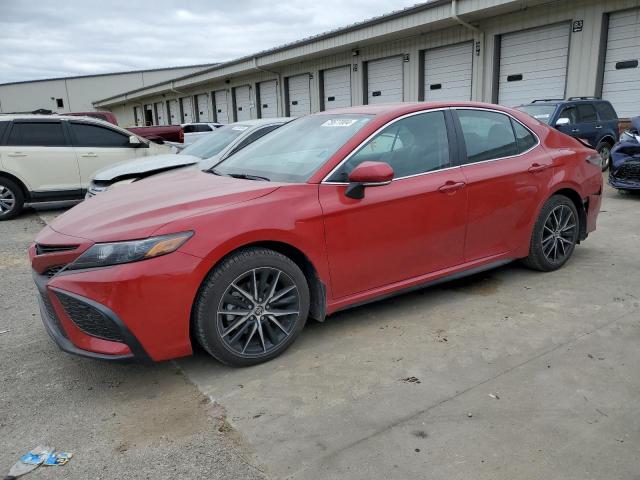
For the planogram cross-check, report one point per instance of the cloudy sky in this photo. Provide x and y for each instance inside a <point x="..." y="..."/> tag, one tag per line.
<point x="52" y="38"/>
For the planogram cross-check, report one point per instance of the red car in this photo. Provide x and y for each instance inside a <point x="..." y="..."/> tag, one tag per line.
<point x="329" y="211"/>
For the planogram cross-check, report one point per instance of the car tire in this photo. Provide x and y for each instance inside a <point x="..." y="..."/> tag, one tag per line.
<point x="11" y="199"/>
<point x="554" y="236"/>
<point x="267" y="297"/>
<point x="604" y="149"/>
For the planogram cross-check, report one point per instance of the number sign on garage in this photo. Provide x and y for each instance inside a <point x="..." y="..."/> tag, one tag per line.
<point x="298" y="95"/>
<point x="202" y="107"/>
<point x="336" y="87"/>
<point x="533" y="64"/>
<point x="221" y="106"/>
<point x="268" y="99"/>
<point x="187" y="109"/>
<point x="242" y="103"/>
<point x="385" y="80"/>
<point x="621" y="82"/>
<point x="447" y="73"/>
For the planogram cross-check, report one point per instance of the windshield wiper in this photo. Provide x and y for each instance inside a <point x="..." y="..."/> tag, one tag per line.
<point x="217" y="172"/>
<point x="246" y="176"/>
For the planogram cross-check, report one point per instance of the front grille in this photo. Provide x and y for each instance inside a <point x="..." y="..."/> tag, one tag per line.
<point x="45" y="249"/>
<point x="89" y="319"/>
<point x="629" y="171"/>
<point x="53" y="271"/>
<point x="51" y="312"/>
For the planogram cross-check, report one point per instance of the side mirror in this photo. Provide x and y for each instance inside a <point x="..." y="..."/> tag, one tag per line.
<point x="563" y="121"/>
<point x="134" y="141"/>
<point x="368" y="174"/>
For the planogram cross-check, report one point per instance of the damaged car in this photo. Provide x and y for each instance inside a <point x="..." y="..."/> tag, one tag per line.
<point x="625" y="159"/>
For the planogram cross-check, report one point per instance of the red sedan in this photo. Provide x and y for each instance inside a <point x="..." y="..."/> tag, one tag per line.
<point x="330" y="211"/>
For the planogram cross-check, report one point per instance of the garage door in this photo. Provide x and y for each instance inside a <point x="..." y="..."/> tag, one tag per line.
<point x="242" y="103"/>
<point x="174" y="112"/>
<point x="161" y="118"/>
<point x="533" y="65"/>
<point x="268" y="93"/>
<point x="222" y="106"/>
<point x="336" y="84"/>
<point x="202" y="104"/>
<point x="447" y="73"/>
<point x="298" y="89"/>
<point x="385" y="80"/>
<point x="137" y="116"/>
<point x="621" y="82"/>
<point x="187" y="109"/>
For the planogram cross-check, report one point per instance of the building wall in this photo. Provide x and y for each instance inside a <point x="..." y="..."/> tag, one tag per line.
<point x="586" y="51"/>
<point x="79" y="93"/>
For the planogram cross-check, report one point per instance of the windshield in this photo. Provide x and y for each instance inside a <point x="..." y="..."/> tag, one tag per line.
<point x="539" y="112"/>
<point x="214" y="142"/>
<point x="294" y="151"/>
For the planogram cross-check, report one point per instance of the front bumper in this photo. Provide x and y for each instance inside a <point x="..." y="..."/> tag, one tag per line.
<point x="59" y="326"/>
<point x="134" y="311"/>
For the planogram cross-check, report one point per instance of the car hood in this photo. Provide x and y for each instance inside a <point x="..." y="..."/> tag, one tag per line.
<point x="142" y="166"/>
<point x="139" y="209"/>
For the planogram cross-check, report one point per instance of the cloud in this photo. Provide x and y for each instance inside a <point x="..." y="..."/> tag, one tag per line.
<point x="51" y="38"/>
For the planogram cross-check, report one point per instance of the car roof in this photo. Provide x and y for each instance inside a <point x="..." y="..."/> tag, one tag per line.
<point x="35" y="116"/>
<point x="552" y="102"/>
<point x="401" y="108"/>
<point x="263" y="121"/>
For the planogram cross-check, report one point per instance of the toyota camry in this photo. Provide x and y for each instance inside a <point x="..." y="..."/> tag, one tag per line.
<point x="328" y="212"/>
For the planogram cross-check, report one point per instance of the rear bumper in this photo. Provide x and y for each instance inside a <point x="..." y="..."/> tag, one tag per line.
<point x="54" y="318"/>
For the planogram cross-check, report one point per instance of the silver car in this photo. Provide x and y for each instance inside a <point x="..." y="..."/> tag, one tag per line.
<point x="206" y="153"/>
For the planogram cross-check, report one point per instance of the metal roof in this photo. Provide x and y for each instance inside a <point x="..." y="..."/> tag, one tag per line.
<point x="305" y="41"/>
<point x="160" y="69"/>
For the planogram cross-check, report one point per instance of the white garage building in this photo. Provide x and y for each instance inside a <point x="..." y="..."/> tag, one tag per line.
<point x="501" y="51"/>
<point x="77" y="94"/>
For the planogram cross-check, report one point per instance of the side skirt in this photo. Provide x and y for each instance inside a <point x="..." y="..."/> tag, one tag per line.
<point x="396" y="289"/>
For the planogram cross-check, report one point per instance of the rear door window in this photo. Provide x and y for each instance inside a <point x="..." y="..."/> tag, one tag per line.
<point x="37" y="134"/>
<point x="487" y="135"/>
<point x="88" y="135"/>
<point x="586" y="113"/>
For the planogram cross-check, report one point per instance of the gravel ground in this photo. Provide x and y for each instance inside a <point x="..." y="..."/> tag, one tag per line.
<point x="120" y="421"/>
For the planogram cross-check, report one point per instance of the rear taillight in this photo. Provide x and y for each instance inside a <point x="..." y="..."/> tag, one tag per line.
<point x="181" y="136"/>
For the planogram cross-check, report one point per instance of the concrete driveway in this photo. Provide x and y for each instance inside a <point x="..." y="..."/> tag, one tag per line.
<point x="507" y="374"/>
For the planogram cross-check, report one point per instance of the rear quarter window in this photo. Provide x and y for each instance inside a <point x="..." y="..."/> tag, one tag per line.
<point x="37" y="134"/>
<point x="3" y="128"/>
<point x="606" y="111"/>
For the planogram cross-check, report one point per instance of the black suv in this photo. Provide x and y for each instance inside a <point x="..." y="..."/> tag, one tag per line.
<point x="588" y="118"/>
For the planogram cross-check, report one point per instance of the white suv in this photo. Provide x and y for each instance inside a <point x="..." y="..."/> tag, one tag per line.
<point x="46" y="158"/>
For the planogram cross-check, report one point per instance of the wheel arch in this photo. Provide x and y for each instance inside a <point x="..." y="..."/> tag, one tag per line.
<point x="580" y="205"/>
<point x="20" y="183"/>
<point x="317" y="289"/>
<point x="608" y="139"/>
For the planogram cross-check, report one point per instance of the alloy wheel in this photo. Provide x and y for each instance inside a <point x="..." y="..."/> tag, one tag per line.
<point x="559" y="234"/>
<point x="605" y="153"/>
<point x="7" y="200"/>
<point x="258" y="311"/>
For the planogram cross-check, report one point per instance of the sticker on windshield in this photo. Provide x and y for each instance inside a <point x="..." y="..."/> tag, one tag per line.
<point x="339" y="122"/>
<point x="240" y="128"/>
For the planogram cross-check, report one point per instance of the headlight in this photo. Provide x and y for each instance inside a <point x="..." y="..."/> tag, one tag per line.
<point x="104" y="254"/>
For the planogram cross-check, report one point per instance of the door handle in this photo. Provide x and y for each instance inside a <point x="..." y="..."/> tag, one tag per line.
<point x="598" y="127"/>
<point x="536" y="167"/>
<point x="451" y="186"/>
<point x="16" y="154"/>
<point x="89" y="155"/>
<point x="575" y="130"/>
